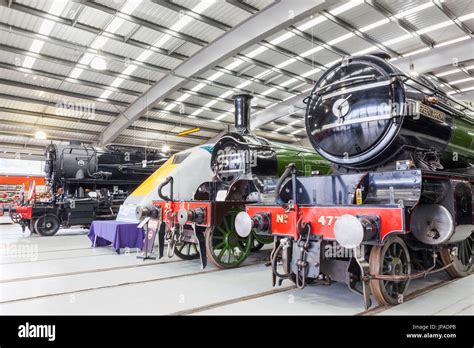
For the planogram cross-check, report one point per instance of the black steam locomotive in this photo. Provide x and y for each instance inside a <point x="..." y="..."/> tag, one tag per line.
<point x="85" y="184"/>
<point x="400" y="204"/>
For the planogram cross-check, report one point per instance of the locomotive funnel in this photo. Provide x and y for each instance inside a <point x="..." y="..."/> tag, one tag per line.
<point x="242" y="112"/>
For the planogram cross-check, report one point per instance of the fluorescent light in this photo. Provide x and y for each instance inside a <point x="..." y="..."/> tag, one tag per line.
<point x="280" y="129"/>
<point x="294" y="122"/>
<point x="211" y="103"/>
<point x="40" y="135"/>
<point x="115" y="24"/>
<point x="366" y="50"/>
<point x="416" y="52"/>
<point x="449" y="42"/>
<point x="117" y="82"/>
<point x="282" y="38"/>
<point x="221" y="117"/>
<point x="434" y="27"/>
<point x="164" y="39"/>
<point x="144" y="55"/>
<point x="466" y="17"/>
<point x="130" y="6"/>
<point x="183" y="97"/>
<point x="105" y="94"/>
<point x="36" y="46"/>
<point x="311" y="51"/>
<point x="256" y="51"/>
<point x="414" y="9"/>
<point x="244" y="84"/>
<point x="170" y="106"/>
<point x="374" y="25"/>
<point x="75" y="73"/>
<point x="288" y="82"/>
<point x="203" y="5"/>
<point x="57" y="7"/>
<point x="311" y="23"/>
<point x="297" y="131"/>
<point x="286" y="62"/>
<point x="397" y="39"/>
<point x="340" y="38"/>
<point x="86" y="58"/>
<point x="345" y="7"/>
<point x="226" y="94"/>
<point x="98" y="63"/>
<point x="311" y="72"/>
<point x="462" y="80"/>
<point x="234" y="64"/>
<point x="215" y="76"/>
<point x="268" y="91"/>
<point x="28" y="62"/>
<point x="129" y="69"/>
<point x="262" y="74"/>
<point x="46" y="27"/>
<point x="198" y="87"/>
<point x="197" y="112"/>
<point x="99" y="42"/>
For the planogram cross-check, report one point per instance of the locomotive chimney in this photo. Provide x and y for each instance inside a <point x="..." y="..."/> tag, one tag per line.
<point x="242" y="112"/>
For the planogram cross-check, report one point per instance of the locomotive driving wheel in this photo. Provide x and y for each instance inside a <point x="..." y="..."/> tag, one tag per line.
<point x="47" y="225"/>
<point x="224" y="247"/>
<point x="392" y="258"/>
<point x="186" y="250"/>
<point x="460" y="256"/>
<point x="259" y="241"/>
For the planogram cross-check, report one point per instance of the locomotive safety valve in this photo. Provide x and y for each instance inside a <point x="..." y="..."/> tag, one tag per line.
<point x="244" y="224"/>
<point x="350" y="231"/>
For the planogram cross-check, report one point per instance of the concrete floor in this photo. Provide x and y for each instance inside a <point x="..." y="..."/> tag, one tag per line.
<point x="64" y="275"/>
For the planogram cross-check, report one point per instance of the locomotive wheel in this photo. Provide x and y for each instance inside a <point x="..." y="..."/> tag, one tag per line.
<point x="47" y="225"/>
<point x="186" y="251"/>
<point x="260" y="241"/>
<point x="224" y="247"/>
<point x="15" y="217"/>
<point x="461" y="257"/>
<point x="31" y="226"/>
<point x="392" y="258"/>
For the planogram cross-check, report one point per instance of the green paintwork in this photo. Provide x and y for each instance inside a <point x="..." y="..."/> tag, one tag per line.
<point x="306" y="161"/>
<point x="462" y="141"/>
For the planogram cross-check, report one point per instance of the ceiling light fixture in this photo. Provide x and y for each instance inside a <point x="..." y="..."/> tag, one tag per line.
<point x="40" y="135"/>
<point x="98" y="63"/>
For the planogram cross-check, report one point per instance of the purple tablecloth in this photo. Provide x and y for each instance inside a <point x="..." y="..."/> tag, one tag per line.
<point x="119" y="234"/>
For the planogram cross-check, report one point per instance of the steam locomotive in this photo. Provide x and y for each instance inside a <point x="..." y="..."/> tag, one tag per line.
<point x="85" y="183"/>
<point x="399" y="204"/>
<point x="245" y="169"/>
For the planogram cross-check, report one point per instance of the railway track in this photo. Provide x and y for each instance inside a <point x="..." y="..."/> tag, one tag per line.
<point x="371" y="311"/>
<point x="121" y="284"/>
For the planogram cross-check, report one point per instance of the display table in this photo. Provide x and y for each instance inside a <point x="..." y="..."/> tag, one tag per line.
<point x="119" y="234"/>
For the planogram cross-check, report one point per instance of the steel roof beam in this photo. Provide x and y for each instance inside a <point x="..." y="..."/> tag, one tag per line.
<point x="407" y="26"/>
<point x="263" y="24"/>
<point x="445" y="9"/>
<point x="116" y="57"/>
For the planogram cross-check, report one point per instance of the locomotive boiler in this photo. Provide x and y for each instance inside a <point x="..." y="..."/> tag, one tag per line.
<point x="400" y="203"/>
<point x="86" y="183"/>
<point x="245" y="169"/>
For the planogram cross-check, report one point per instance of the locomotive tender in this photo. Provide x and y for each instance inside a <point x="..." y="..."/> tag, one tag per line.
<point x="85" y="183"/>
<point x="245" y="169"/>
<point x="400" y="203"/>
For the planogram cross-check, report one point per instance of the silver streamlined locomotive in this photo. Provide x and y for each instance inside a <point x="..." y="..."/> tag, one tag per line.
<point x="400" y="205"/>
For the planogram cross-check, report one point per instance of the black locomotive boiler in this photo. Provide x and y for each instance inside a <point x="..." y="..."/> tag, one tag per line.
<point x="400" y="204"/>
<point x="84" y="184"/>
